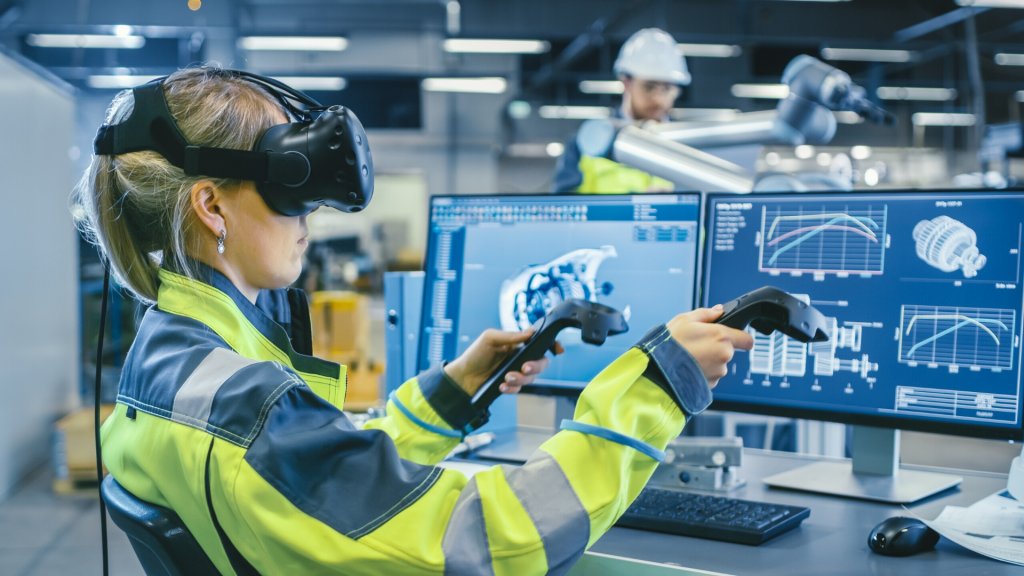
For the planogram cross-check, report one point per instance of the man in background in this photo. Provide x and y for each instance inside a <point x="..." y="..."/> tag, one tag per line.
<point x="652" y="71"/>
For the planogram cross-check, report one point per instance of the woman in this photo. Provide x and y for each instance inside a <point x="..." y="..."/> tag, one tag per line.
<point x="222" y="418"/>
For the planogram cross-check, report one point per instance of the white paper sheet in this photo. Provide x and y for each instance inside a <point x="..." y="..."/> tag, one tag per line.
<point x="993" y="527"/>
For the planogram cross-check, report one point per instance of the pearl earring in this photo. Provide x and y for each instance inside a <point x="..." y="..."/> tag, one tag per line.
<point x="220" y="241"/>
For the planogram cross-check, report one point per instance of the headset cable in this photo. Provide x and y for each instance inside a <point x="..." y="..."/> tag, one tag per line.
<point x="96" y="418"/>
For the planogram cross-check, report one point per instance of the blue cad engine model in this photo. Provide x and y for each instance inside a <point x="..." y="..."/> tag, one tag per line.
<point x="536" y="290"/>
<point x="949" y="245"/>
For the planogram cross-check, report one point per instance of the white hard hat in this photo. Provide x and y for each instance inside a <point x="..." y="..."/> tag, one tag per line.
<point x="652" y="54"/>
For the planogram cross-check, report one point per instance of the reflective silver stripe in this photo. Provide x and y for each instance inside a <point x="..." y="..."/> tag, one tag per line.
<point x="195" y="397"/>
<point x="556" y="510"/>
<point x="465" y="541"/>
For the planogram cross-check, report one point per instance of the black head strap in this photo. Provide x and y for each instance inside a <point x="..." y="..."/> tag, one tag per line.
<point x="152" y="127"/>
<point x="149" y="127"/>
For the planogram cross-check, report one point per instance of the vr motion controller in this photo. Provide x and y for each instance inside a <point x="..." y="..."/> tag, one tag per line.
<point x="768" y="308"/>
<point x="595" y="321"/>
<point x="765" y="309"/>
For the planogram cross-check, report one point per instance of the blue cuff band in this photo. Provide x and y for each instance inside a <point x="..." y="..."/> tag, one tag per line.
<point x="613" y="436"/>
<point x="422" y="423"/>
<point x="448" y="400"/>
<point x="676" y="371"/>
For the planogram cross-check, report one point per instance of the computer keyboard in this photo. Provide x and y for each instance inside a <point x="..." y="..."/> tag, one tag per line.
<point x="713" y="517"/>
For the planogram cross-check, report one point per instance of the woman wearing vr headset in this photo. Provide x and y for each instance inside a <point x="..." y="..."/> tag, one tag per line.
<point x="197" y="196"/>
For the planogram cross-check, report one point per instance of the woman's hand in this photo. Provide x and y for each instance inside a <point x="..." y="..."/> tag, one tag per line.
<point x="486" y="353"/>
<point x="712" y="345"/>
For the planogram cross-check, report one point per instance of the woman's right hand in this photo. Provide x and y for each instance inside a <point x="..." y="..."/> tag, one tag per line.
<point x="712" y="345"/>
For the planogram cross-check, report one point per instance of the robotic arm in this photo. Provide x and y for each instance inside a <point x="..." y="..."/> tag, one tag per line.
<point x="669" y="150"/>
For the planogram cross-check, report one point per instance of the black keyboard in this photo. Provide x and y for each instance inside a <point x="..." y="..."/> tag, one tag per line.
<point x="713" y="517"/>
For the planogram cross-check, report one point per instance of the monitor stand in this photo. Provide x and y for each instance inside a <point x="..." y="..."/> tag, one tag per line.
<point x="872" y="474"/>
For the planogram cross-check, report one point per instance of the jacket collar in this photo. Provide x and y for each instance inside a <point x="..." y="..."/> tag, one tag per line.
<point x="211" y="298"/>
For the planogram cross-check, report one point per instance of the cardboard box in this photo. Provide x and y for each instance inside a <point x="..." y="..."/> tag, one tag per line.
<point x="364" y="386"/>
<point x="341" y="325"/>
<point x="74" y="445"/>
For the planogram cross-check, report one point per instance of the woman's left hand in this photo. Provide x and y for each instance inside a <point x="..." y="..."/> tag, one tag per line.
<point x="485" y="355"/>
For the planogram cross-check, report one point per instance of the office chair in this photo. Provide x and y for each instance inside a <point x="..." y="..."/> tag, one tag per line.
<point x="161" y="541"/>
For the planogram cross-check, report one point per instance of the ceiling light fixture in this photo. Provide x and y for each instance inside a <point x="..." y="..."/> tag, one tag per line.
<point x="709" y="50"/>
<point x="867" y="55"/>
<point x="942" y="119"/>
<point x="294" y="43"/>
<point x="125" y="41"/>
<point x="482" y="85"/>
<point x="601" y="86"/>
<point x="764" y="91"/>
<point x="1007" y="59"/>
<point x="322" y="83"/>
<point x="495" y="46"/>
<point x="117" y="81"/>
<point x="703" y="114"/>
<point x="573" y="112"/>
<point x="992" y="3"/>
<point x="916" y="93"/>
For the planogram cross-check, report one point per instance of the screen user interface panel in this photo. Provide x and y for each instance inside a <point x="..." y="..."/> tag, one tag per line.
<point x="923" y="290"/>
<point x="505" y="261"/>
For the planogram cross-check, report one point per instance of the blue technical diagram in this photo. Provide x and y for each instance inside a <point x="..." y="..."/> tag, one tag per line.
<point x="823" y="240"/>
<point x="957" y="336"/>
<point x="924" y="289"/>
<point x="948" y="245"/>
<point x="776" y="354"/>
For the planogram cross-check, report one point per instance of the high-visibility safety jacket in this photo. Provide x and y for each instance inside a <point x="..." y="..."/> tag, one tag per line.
<point x="581" y="174"/>
<point x="219" y="418"/>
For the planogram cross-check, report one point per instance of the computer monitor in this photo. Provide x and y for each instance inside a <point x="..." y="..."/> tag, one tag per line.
<point x="923" y="289"/>
<point x="504" y="261"/>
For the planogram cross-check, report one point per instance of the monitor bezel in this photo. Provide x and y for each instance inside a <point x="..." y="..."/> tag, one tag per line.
<point x="542" y="389"/>
<point x="894" y="422"/>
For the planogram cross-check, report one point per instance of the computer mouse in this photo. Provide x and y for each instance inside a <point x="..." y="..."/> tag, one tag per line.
<point x="902" y="536"/>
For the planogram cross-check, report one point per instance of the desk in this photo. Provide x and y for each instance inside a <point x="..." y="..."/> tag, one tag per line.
<point x="833" y="541"/>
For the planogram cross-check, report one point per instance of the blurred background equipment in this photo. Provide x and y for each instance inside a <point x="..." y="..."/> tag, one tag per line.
<point x="341" y="333"/>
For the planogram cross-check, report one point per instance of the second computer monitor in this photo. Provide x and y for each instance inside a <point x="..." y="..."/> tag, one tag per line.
<point x="923" y="290"/>
<point x="504" y="261"/>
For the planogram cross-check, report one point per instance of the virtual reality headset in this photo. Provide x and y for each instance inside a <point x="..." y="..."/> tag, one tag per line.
<point x="321" y="158"/>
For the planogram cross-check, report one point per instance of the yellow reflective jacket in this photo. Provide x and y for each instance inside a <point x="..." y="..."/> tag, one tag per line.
<point x="219" y="418"/>
<point x="584" y="174"/>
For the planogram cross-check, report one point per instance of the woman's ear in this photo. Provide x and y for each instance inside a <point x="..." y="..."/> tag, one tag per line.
<point x="207" y="200"/>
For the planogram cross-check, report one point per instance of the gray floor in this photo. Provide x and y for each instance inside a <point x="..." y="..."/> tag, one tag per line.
<point x="44" y="534"/>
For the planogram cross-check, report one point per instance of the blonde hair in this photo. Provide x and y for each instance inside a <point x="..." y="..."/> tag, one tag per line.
<point x="136" y="207"/>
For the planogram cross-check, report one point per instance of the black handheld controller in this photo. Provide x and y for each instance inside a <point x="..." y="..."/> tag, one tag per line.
<point x="769" y="308"/>
<point x="595" y="321"/>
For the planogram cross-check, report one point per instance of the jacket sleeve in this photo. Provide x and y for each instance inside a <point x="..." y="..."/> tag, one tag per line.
<point x="315" y="495"/>
<point x="568" y="176"/>
<point x="426" y="417"/>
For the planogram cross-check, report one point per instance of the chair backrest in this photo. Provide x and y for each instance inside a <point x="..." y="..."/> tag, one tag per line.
<point x="160" y="539"/>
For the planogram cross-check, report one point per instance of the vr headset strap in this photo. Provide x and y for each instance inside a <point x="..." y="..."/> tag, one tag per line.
<point x="225" y="163"/>
<point x="151" y="127"/>
<point x="287" y="168"/>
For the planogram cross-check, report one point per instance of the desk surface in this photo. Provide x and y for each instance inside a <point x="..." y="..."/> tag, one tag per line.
<point x="832" y="541"/>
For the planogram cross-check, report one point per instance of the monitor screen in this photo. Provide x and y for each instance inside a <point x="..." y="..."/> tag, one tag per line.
<point x="504" y="261"/>
<point x="923" y="292"/>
